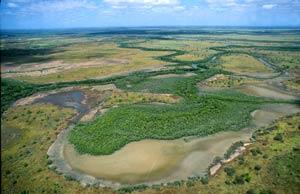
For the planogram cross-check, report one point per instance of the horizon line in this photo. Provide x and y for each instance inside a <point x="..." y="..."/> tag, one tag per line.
<point x="161" y="26"/>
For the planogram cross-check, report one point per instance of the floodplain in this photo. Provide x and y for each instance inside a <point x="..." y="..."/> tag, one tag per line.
<point x="164" y="111"/>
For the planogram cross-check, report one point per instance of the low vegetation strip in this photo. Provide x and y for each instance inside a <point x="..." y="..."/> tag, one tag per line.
<point x="121" y="97"/>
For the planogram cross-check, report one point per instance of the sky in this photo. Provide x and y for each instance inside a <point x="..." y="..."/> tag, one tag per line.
<point x="40" y="14"/>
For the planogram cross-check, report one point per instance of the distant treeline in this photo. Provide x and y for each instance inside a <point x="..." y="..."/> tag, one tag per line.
<point x="154" y="31"/>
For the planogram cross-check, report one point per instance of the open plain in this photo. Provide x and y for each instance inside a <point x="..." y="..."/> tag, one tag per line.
<point x="151" y="111"/>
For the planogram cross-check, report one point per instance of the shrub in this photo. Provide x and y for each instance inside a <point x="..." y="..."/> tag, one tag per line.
<point x="278" y="137"/>
<point x="204" y="180"/>
<point x="217" y="159"/>
<point x="239" y="180"/>
<point x="190" y="183"/>
<point x="229" y="171"/>
<point x="266" y="192"/>
<point x="39" y="170"/>
<point x="177" y="183"/>
<point x="132" y="188"/>
<point x="69" y="178"/>
<point x="257" y="167"/>
<point x="255" y="151"/>
<point x="227" y="182"/>
<point x="241" y="160"/>
<point x="251" y="191"/>
<point x="49" y="162"/>
<point x="296" y="149"/>
<point x="232" y="149"/>
<point x="246" y="177"/>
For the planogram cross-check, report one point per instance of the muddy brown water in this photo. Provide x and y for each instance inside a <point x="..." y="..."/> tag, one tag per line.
<point x="69" y="99"/>
<point x="152" y="160"/>
<point x="159" y="161"/>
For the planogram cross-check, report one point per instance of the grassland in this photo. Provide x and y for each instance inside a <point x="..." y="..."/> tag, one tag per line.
<point x="94" y="55"/>
<point x="24" y="162"/>
<point x="243" y="64"/>
<point x="41" y="48"/>
<point x="38" y="116"/>
<point x="281" y="57"/>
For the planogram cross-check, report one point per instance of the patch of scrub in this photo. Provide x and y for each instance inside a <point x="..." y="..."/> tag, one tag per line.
<point x="293" y="85"/>
<point x="224" y="81"/>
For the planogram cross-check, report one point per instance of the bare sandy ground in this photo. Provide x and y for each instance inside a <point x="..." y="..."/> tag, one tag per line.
<point x="152" y="160"/>
<point x="173" y="75"/>
<point x="39" y="69"/>
<point x="267" y="91"/>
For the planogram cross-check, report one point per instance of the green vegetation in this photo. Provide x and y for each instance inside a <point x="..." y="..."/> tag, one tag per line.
<point x="225" y="81"/>
<point x="278" y="137"/>
<point x="38" y="116"/>
<point x="112" y="131"/>
<point x="24" y="163"/>
<point x="194" y="116"/>
<point x="243" y="64"/>
<point x="12" y="90"/>
<point x="229" y="171"/>
<point x="285" y="169"/>
<point x="232" y="149"/>
<point x="271" y="163"/>
<point x="278" y="173"/>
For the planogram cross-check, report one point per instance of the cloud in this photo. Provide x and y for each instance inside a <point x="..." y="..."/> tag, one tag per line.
<point x="269" y="6"/>
<point x="222" y="5"/>
<point x="12" y="5"/>
<point x="49" y="5"/>
<point x="248" y="5"/>
<point x="61" y="5"/>
<point x="141" y="3"/>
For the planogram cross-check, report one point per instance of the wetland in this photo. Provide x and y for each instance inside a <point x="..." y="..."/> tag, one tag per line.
<point x="147" y="113"/>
